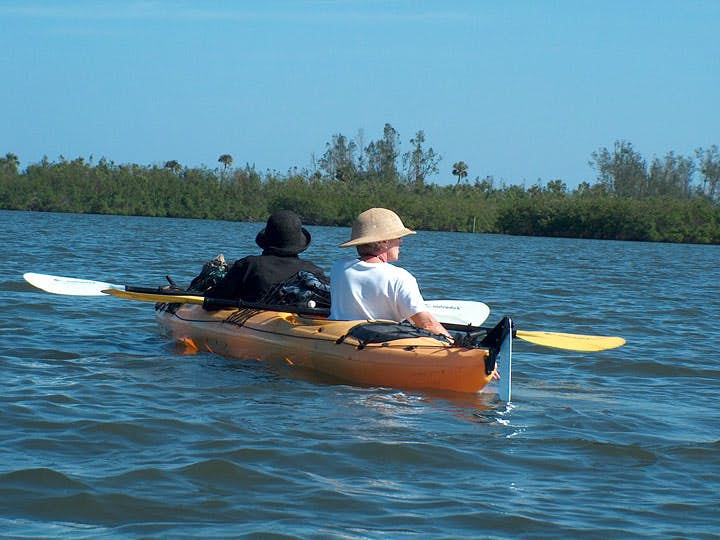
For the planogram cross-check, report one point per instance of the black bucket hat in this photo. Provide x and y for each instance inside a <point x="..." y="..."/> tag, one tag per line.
<point x="284" y="234"/>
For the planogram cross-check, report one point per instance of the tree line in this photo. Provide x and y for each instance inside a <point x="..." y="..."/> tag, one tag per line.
<point x="669" y="199"/>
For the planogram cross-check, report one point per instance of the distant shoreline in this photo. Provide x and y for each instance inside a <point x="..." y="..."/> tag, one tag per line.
<point x="657" y="206"/>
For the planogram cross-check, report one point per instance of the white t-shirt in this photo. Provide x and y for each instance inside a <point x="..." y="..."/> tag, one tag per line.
<point x="361" y="290"/>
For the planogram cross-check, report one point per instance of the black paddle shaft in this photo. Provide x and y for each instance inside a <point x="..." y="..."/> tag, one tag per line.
<point x="218" y="303"/>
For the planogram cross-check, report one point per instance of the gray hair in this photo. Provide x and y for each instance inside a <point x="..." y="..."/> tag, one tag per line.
<point x="371" y="249"/>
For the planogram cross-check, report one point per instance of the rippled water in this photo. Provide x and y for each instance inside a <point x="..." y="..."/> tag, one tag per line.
<point x="109" y="432"/>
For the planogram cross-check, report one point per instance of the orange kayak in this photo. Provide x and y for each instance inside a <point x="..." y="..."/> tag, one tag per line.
<point x="373" y="353"/>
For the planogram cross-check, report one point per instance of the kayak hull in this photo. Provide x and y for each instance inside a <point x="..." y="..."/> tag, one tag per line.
<point x="323" y="346"/>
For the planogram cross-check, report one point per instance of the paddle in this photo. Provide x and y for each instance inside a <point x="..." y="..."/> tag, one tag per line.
<point x="455" y="315"/>
<point x="557" y="340"/>
<point x="67" y="285"/>
<point x="461" y="312"/>
<point x="211" y="302"/>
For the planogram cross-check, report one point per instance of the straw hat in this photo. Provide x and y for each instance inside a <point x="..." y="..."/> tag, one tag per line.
<point x="376" y="225"/>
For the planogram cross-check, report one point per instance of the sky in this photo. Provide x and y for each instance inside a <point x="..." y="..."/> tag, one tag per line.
<point x="522" y="91"/>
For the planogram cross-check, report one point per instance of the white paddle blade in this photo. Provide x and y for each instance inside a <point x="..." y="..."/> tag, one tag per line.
<point x="69" y="286"/>
<point x="459" y="311"/>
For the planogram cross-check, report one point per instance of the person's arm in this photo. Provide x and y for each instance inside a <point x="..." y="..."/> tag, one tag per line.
<point x="427" y="321"/>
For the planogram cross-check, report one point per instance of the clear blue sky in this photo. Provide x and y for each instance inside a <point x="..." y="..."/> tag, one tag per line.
<point x="521" y="90"/>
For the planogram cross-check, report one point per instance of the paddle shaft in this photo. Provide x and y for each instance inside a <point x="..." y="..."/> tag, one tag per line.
<point x="166" y="295"/>
<point x="446" y="311"/>
<point x="158" y="294"/>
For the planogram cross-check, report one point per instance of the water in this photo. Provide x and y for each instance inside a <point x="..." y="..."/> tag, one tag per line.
<point x="110" y="432"/>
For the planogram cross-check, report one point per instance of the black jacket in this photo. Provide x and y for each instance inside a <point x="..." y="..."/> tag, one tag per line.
<point x="251" y="278"/>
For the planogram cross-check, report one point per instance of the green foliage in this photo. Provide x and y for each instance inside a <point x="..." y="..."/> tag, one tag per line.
<point x="630" y="200"/>
<point x="382" y="156"/>
<point x="460" y="169"/>
<point x="226" y="160"/>
<point x="622" y="172"/>
<point x="709" y="168"/>
<point x="660" y="219"/>
<point x="420" y="163"/>
<point x="339" y="161"/>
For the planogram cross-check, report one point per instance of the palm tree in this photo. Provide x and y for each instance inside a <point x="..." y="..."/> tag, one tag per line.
<point x="226" y="160"/>
<point x="11" y="162"/>
<point x="460" y="170"/>
<point x="173" y="165"/>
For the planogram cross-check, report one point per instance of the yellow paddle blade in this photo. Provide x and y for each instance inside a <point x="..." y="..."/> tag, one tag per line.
<point x="573" y="342"/>
<point x="149" y="297"/>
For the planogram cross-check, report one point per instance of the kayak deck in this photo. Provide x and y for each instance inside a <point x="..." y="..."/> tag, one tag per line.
<point x="327" y="347"/>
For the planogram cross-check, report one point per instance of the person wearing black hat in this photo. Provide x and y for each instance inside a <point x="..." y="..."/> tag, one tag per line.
<point x="253" y="277"/>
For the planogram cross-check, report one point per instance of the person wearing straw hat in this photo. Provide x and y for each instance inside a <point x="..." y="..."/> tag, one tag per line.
<point x="368" y="287"/>
<point x="253" y="277"/>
